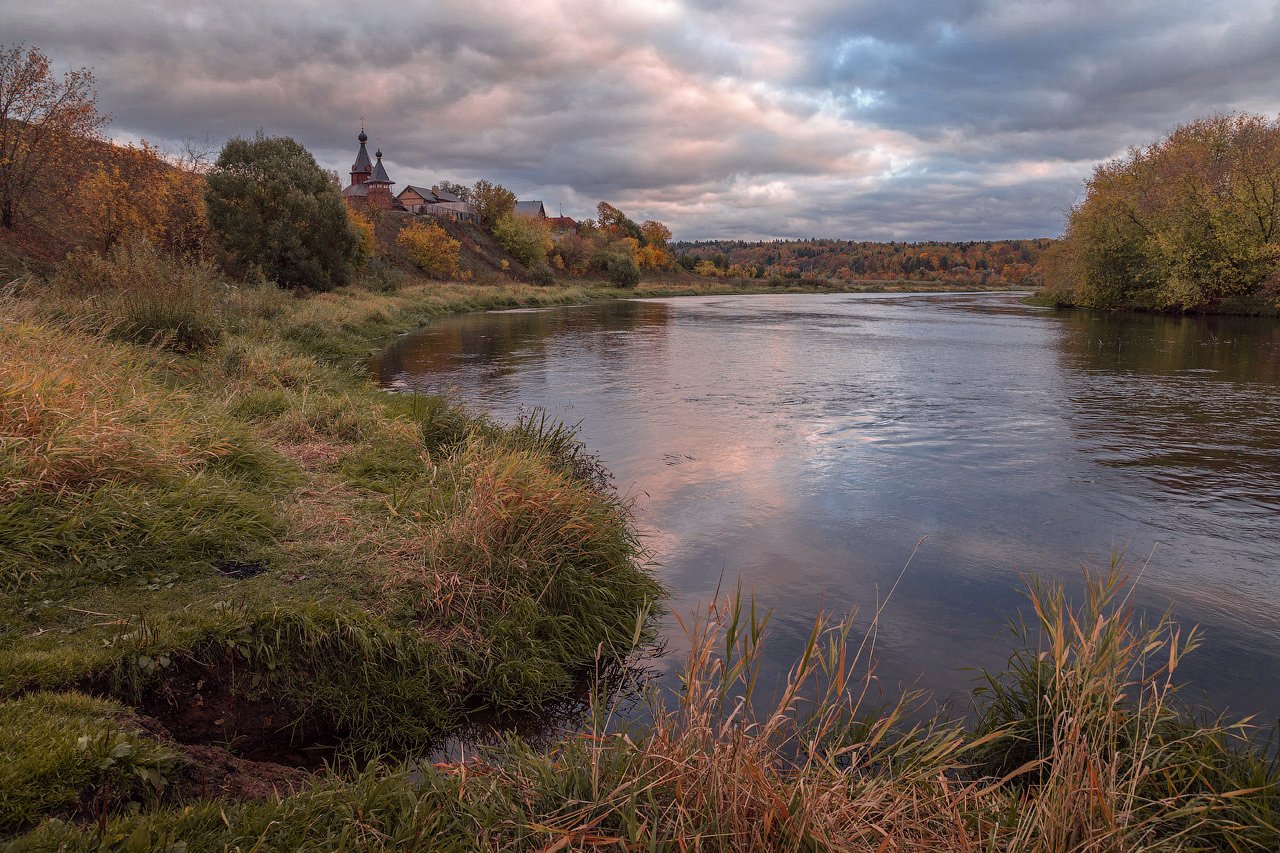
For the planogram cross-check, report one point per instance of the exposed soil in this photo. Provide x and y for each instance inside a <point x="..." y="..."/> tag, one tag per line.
<point x="212" y="771"/>
<point x="203" y="706"/>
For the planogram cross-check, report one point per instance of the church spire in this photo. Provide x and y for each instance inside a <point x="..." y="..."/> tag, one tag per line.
<point x="379" y="171"/>
<point x="361" y="169"/>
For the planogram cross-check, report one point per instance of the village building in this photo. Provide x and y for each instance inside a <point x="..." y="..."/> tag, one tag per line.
<point x="534" y="209"/>
<point x="370" y="190"/>
<point x="436" y="202"/>
<point x="370" y="187"/>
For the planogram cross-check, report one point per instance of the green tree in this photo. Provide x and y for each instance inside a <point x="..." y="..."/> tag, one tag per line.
<point x="526" y="239"/>
<point x="272" y="207"/>
<point x="492" y="201"/>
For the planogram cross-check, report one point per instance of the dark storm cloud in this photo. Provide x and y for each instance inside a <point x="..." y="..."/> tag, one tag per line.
<point x="957" y="119"/>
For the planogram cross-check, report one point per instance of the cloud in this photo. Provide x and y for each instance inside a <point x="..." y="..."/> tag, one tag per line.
<point x="960" y="119"/>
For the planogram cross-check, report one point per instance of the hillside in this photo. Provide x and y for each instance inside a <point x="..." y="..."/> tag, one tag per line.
<point x="996" y="263"/>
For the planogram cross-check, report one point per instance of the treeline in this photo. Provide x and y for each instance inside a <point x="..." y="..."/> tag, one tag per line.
<point x="262" y="211"/>
<point x="1003" y="262"/>
<point x="1188" y="223"/>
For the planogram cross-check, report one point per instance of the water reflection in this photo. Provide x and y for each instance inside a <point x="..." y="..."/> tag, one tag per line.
<point x="804" y="444"/>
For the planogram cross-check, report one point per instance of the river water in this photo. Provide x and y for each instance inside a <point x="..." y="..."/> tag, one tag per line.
<point x="805" y="444"/>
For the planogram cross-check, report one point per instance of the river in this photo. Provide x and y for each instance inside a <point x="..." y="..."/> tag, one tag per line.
<point x="805" y="444"/>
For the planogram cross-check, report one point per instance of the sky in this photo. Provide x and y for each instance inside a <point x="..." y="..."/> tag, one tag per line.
<point x="858" y="119"/>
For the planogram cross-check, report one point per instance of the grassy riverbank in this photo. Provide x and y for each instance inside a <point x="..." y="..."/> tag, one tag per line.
<point x="211" y="519"/>
<point x="225" y="556"/>
<point x="1263" y="304"/>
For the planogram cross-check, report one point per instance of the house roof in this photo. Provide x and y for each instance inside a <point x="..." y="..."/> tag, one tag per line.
<point x="435" y="194"/>
<point x="356" y="190"/>
<point x="530" y="208"/>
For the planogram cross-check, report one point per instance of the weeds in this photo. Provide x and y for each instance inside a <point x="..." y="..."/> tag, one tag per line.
<point x="138" y="293"/>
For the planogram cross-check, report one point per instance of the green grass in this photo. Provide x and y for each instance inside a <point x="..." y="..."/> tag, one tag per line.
<point x="1113" y="767"/>
<point x="70" y="755"/>
<point x="251" y="522"/>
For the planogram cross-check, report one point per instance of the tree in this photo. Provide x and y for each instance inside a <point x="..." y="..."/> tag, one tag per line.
<point x="492" y="201"/>
<point x="132" y="192"/>
<point x="430" y="248"/>
<point x="655" y="234"/>
<point x="45" y="127"/>
<point x="526" y="239"/>
<point x="1182" y="223"/>
<point x="615" y="220"/>
<point x="272" y="207"/>
<point x="462" y="191"/>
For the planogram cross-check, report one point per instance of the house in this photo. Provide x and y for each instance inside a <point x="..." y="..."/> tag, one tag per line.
<point x="562" y="223"/>
<point x="370" y="187"/>
<point x="534" y="209"/>
<point x="436" y="202"/>
<point x="413" y="198"/>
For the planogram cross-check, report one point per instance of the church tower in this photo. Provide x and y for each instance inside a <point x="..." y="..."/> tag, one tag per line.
<point x="362" y="168"/>
<point x="379" y="184"/>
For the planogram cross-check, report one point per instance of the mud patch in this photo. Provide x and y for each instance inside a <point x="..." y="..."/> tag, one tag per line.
<point x="213" y="772"/>
<point x="206" y="706"/>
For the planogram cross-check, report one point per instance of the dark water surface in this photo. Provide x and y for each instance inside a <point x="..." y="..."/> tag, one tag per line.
<point x="805" y="443"/>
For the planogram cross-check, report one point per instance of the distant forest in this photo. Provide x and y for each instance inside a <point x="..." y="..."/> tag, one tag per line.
<point x="1001" y="262"/>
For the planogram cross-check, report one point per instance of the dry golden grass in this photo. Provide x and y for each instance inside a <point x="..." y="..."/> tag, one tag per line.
<point x="76" y="411"/>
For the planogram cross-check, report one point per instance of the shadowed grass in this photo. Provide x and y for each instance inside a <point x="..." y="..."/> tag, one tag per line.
<point x="809" y="768"/>
<point x="70" y="754"/>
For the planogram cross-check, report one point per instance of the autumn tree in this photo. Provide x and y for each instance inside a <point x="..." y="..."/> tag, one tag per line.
<point x="430" y="248"/>
<point x="492" y="201"/>
<point x="655" y="234"/>
<point x="274" y="209"/>
<point x="132" y="192"/>
<point x="45" y="125"/>
<point x="615" y="220"/>
<point x="364" y="228"/>
<point x="1185" y="222"/>
<point x="525" y="238"/>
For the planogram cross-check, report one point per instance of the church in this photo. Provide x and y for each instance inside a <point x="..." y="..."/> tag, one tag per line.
<point x="370" y="185"/>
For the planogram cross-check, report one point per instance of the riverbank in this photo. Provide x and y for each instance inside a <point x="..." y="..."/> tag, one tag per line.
<point x="1256" y="305"/>
<point x="246" y="548"/>
<point x="370" y="569"/>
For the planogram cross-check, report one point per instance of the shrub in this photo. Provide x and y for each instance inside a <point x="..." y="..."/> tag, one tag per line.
<point x="541" y="274"/>
<point x="430" y="248"/>
<point x="621" y="270"/>
<point x="528" y="240"/>
<point x="137" y="293"/>
<point x="272" y="206"/>
<point x="380" y="276"/>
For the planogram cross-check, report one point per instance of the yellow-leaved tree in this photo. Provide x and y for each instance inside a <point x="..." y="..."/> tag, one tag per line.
<point x="430" y="248"/>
